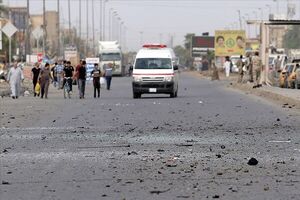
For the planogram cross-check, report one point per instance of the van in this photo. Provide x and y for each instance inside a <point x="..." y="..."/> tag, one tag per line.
<point x="155" y="71"/>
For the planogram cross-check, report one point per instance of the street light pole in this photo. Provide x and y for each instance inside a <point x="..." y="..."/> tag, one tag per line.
<point x="27" y="44"/>
<point x="87" y="28"/>
<point x="248" y="25"/>
<point x="110" y="24"/>
<point x="79" y="45"/>
<point x="58" y="29"/>
<point x="79" y="18"/>
<point x="104" y="20"/>
<point x="93" y="24"/>
<point x="101" y="20"/>
<point x="141" y="39"/>
<point x="256" y="18"/>
<point x="44" y="28"/>
<point x="120" y="34"/>
<point x="240" y="19"/>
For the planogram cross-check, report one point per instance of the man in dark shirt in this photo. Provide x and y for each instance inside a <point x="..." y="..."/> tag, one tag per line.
<point x="81" y="74"/>
<point x="35" y="75"/>
<point x="54" y="74"/>
<point x="68" y="74"/>
<point x="96" y="73"/>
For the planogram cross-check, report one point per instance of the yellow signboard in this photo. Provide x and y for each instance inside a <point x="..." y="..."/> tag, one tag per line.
<point x="230" y="42"/>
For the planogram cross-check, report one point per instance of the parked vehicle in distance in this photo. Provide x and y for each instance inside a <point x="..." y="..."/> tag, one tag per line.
<point x="293" y="76"/>
<point x="110" y="52"/>
<point x="287" y="77"/>
<point x="234" y="59"/>
<point x="297" y="80"/>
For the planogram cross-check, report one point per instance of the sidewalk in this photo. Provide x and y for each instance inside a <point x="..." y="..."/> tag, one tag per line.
<point x="289" y="98"/>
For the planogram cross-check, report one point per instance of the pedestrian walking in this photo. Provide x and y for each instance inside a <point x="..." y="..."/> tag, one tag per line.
<point x="54" y="74"/>
<point x="59" y="74"/>
<point x="257" y="69"/>
<point x="247" y="67"/>
<point x="14" y="78"/>
<point x="68" y="73"/>
<point x="130" y="69"/>
<point x="35" y="72"/>
<point x="227" y="66"/>
<point x="96" y="73"/>
<point x="240" y="65"/>
<point x="44" y="80"/>
<point x="277" y="66"/>
<point x="108" y="74"/>
<point x="81" y="74"/>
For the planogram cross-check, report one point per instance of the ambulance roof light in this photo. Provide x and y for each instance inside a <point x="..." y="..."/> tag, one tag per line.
<point x="154" y="46"/>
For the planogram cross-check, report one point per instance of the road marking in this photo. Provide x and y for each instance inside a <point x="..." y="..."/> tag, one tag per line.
<point x="280" y="141"/>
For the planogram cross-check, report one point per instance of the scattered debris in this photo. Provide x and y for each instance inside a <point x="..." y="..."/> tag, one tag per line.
<point x="184" y="145"/>
<point x="5" y="183"/>
<point x="218" y="155"/>
<point x="132" y="153"/>
<point x="159" y="191"/>
<point x="252" y="161"/>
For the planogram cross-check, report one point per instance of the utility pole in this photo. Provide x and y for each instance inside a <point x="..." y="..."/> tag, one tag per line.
<point x="104" y="20"/>
<point x="101" y="20"/>
<point x="69" y="16"/>
<point x="44" y="27"/>
<point x="110" y="24"/>
<point x="120" y="33"/>
<point x="79" y="45"/>
<point x="27" y="44"/>
<point x="87" y="28"/>
<point x="58" y="29"/>
<point x="141" y="39"/>
<point x="93" y="24"/>
<point x="240" y="19"/>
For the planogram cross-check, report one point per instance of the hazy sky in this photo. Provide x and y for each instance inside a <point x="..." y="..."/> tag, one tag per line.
<point x="157" y="20"/>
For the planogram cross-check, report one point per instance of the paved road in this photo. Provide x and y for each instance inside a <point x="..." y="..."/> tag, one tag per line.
<point x="195" y="146"/>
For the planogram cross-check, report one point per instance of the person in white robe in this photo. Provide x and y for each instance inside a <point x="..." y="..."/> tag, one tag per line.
<point x="14" y="78"/>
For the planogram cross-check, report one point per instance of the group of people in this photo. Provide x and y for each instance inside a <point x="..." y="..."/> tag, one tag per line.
<point x="249" y="70"/>
<point x="60" y="74"/>
<point x="63" y="72"/>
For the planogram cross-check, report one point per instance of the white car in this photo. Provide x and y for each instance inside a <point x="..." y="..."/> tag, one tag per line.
<point x="234" y="59"/>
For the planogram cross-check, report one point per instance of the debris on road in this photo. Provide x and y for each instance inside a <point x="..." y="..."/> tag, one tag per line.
<point x="252" y="161"/>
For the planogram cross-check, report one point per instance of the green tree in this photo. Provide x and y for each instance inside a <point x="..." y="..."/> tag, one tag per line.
<point x="182" y="54"/>
<point x="291" y="39"/>
<point x="188" y="44"/>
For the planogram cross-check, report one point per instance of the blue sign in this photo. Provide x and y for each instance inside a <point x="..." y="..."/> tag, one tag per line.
<point x="89" y="69"/>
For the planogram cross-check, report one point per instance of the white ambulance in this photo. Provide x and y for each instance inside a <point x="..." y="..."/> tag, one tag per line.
<point x="155" y="71"/>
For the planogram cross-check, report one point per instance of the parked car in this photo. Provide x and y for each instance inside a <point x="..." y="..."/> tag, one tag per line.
<point x="234" y="60"/>
<point x="287" y="77"/>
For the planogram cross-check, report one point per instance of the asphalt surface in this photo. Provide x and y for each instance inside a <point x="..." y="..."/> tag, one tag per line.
<point x="196" y="146"/>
